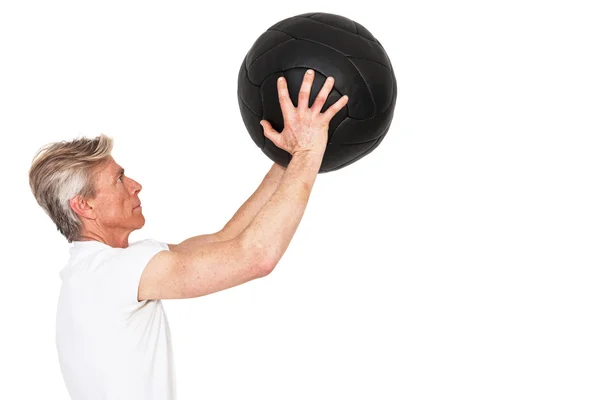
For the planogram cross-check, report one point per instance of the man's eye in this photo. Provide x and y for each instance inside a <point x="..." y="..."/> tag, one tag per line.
<point x="120" y="178"/>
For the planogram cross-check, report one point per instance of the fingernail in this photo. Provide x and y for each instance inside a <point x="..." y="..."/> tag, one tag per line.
<point x="280" y="79"/>
<point x="330" y="79"/>
<point x="310" y="71"/>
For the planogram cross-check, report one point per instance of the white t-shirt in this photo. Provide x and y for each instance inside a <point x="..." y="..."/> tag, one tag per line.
<point x="110" y="346"/>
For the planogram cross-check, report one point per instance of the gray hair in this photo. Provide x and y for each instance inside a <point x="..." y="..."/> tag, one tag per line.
<point x="62" y="170"/>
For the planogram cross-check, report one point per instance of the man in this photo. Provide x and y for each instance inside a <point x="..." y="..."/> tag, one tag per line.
<point x="113" y="337"/>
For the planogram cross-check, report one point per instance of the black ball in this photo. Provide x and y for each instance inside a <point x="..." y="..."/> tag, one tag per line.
<point x="331" y="45"/>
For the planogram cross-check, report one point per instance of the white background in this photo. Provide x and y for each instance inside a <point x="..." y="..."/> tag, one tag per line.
<point x="459" y="260"/>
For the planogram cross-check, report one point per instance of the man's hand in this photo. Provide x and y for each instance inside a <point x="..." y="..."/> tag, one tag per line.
<point x="305" y="129"/>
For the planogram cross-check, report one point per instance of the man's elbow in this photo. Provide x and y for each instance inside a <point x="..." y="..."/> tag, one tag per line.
<point x="266" y="267"/>
<point x="259" y="259"/>
<point x="263" y="263"/>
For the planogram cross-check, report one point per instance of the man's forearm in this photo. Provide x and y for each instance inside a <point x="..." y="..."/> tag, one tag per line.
<point x="274" y="226"/>
<point x="252" y="206"/>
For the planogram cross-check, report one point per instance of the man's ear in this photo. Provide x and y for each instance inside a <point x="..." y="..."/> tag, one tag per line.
<point x="82" y="207"/>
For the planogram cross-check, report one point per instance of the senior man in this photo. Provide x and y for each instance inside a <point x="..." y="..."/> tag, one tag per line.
<point x="112" y="333"/>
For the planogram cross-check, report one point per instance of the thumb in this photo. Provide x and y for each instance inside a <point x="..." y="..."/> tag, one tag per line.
<point x="271" y="133"/>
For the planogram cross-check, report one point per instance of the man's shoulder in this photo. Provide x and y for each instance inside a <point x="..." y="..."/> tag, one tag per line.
<point x="148" y="242"/>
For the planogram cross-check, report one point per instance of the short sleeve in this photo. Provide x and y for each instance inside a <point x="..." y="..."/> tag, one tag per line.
<point x="130" y="264"/>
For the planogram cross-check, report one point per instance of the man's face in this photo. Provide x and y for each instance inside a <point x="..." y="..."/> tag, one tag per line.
<point x="116" y="202"/>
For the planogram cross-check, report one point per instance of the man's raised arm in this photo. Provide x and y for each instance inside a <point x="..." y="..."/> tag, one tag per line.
<point x="256" y="251"/>
<point x="243" y="215"/>
<point x="215" y="266"/>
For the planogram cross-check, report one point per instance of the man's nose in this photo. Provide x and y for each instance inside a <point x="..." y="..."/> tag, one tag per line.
<point x="136" y="186"/>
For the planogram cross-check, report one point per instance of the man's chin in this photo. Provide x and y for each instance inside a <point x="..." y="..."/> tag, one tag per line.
<point x="141" y="223"/>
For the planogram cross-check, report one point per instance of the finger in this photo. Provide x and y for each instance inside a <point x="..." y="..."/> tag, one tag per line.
<point x="271" y="133"/>
<point x="322" y="96"/>
<point x="287" y="107"/>
<point x="304" y="94"/>
<point x="335" y="107"/>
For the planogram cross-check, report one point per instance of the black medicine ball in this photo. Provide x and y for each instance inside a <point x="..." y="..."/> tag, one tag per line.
<point x="331" y="45"/>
